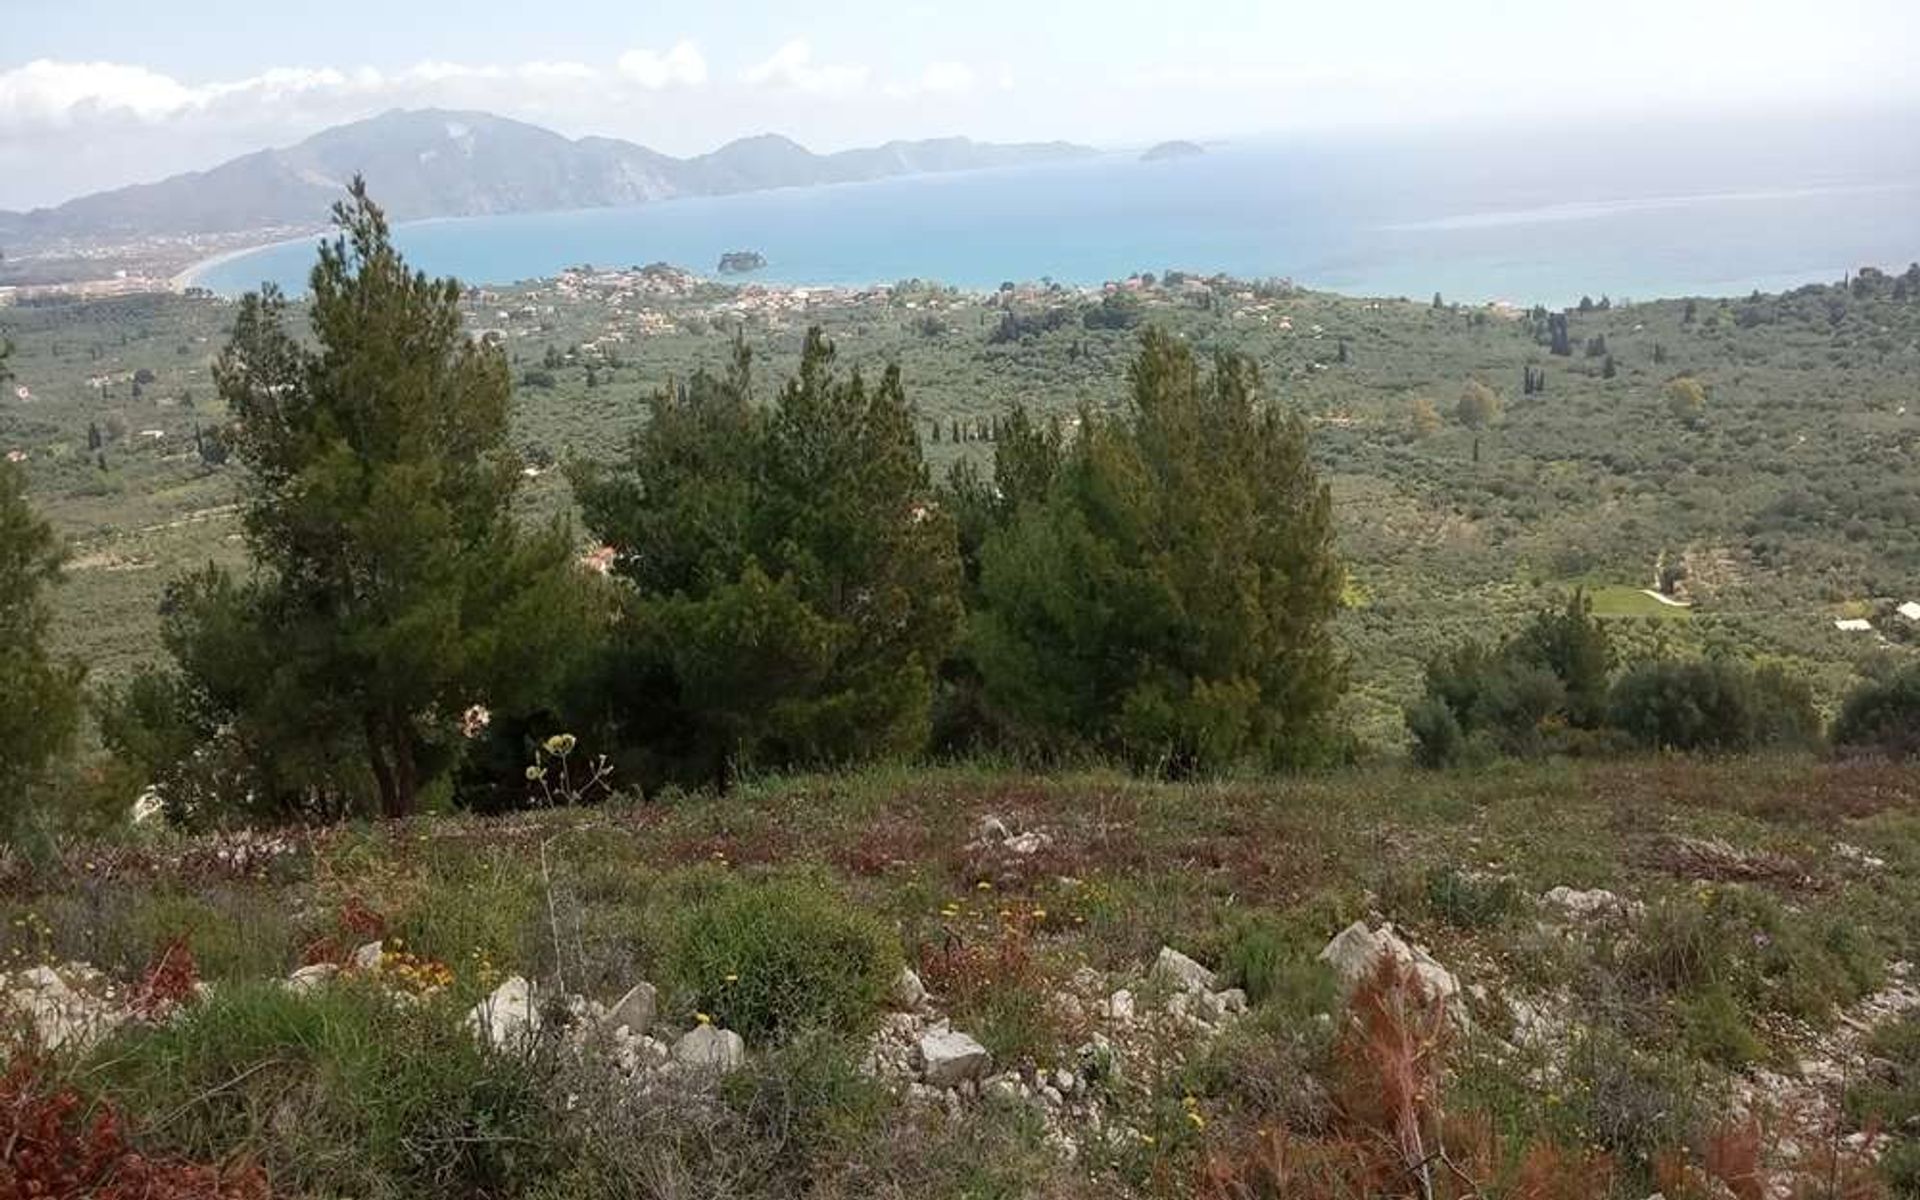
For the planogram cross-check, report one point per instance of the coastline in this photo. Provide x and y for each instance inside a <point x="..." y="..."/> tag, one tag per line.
<point x="187" y="276"/>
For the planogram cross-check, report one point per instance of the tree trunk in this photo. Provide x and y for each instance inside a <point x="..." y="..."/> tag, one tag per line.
<point x="382" y="773"/>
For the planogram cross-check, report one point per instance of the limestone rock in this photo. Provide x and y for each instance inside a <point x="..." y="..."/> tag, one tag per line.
<point x="634" y="1011"/>
<point x="908" y="992"/>
<point x="1177" y="970"/>
<point x="508" y="1019"/>
<point x="1120" y="1006"/>
<point x="1355" y="952"/>
<point x="312" y="976"/>
<point x="949" y="1058"/>
<point x="1591" y="902"/>
<point x="60" y="1015"/>
<point x="1031" y="842"/>
<point x="708" y="1047"/>
<point x="367" y="957"/>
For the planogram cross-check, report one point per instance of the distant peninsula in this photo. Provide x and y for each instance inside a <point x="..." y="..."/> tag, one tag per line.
<point x="1166" y="151"/>
<point x="740" y="262"/>
<point x="439" y="163"/>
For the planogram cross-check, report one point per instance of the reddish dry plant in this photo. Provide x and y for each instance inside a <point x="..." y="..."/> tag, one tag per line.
<point x="361" y="922"/>
<point x="50" y="1150"/>
<point x="1391" y="1136"/>
<point x="965" y="971"/>
<point x="1732" y="1161"/>
<point x="171" y="979"/>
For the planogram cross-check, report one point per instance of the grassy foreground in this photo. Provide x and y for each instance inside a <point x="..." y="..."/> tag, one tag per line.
<point x="1728" y="1017"/>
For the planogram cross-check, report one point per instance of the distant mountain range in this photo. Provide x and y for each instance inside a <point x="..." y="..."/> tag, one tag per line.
<point x="435" y="163"/>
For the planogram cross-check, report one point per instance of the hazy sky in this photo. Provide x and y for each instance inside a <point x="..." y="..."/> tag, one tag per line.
<point x="95" y="93"/>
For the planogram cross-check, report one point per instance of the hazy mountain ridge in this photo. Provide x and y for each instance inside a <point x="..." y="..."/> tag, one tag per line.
<point x="438" y="163"/>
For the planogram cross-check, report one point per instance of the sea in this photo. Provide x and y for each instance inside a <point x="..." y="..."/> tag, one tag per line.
<point x="1539" y="214"/>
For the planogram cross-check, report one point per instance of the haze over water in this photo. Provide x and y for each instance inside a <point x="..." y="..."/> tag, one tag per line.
<point x="1636" y="211"/>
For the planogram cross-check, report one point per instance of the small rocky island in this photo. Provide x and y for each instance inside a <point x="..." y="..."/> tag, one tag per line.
<point x="1171" y="150"/>
<point x="741" y="262"/>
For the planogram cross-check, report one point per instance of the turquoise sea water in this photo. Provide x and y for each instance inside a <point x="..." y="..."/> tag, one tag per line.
<point x="1542" y="217"/>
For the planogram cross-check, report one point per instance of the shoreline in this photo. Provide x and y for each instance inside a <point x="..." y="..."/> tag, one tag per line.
<point x="187" y="276"/>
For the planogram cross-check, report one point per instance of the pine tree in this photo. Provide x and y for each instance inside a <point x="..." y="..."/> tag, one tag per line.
<point x="795" y="583"/>
<point x="1574" y="646"/>
<point x="393" y="588"/>
<point x="1169" y="598"/>
<point x="41" y="704"/>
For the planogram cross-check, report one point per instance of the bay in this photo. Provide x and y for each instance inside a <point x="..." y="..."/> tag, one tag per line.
<point x="1539" y="216"/>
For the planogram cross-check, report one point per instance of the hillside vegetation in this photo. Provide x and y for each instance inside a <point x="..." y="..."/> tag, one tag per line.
<point x="801" y="702"/>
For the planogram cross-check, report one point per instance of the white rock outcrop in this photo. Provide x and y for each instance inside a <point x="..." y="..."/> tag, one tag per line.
<point x="58" y="1014"/>
<point x="508" y="1019"/>
<point x="710" y="1048"/>
<point x="1356" y="951"/>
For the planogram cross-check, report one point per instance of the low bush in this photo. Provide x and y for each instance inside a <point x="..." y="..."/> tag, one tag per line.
<point x="772" y="956"/>
<point x="1274" y="959"/>
<point x="337" y="1092"/>
<point x="1765" y="957"/>
<point x="1471" y="901"/>
<point x="1883" y="716"/>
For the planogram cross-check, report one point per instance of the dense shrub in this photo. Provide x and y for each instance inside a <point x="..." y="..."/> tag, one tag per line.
<point x="771" y="957"/>
<point x="1710" y="705"/>
<point x="1438" y="740"/>
<point x="1882" y="715"/>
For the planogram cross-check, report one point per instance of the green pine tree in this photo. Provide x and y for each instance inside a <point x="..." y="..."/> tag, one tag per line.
<point x="795" y="583"/>
<point x="1169" y="597"/>
<point x="392" y="586"/>
<point x="39" y="693"/>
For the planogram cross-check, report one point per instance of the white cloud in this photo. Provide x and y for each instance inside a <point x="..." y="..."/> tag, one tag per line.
<point x="45" y="91"/>
<point x="947" y="77"/>
<point x="792" y="66"/>
<point x="681" y="65"/>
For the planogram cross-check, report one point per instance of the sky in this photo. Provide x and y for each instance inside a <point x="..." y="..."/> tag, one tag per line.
<point x="100" y="93"/>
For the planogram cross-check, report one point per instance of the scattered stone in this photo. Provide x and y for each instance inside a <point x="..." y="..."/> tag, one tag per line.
<point x="60" y="1015"/>
<point x="1232" y="1001"/>
<point x="1177" y="970"/>
<point x="148" y="806"/>
<point x="1592" y="902"/>
<point x="908" y="992"/>
<point x="508" y="1019"/>
<point x="949" y="1058"/>
<point x="634" y="1011"/>
<point x="710" y="1048"/>
<point x="367" y="957"/>
<point x="1859" y="857"/>
<point x="1120" y="1007"/>
<point x="993" y="829"/>
<point x="1031" y="842"/>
